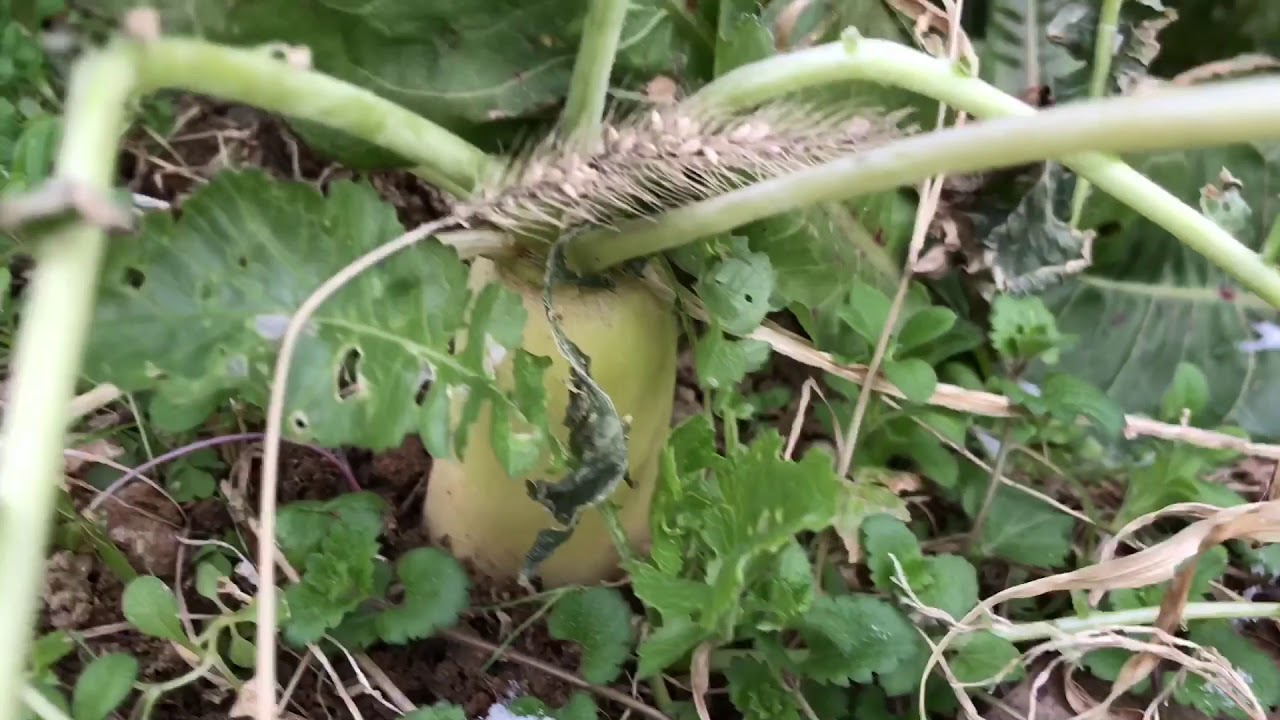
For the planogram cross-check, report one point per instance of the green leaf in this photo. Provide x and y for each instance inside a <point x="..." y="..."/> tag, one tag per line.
<point x="853" y="636"/>
<point x="1133" y="46"/>
<point x="1023" y="220"/>
<point x="864" y="499"/>
<point x="1189" y="391"/>
<point x="1140" y="274"/>
<point x="887" y="539"/>
<point x="209" y="575"/>
<point x="149" y="606"/>
<point x="765" y="501"/>
<point x="982" y="656"/>
<point x="667" y="645"/>
<point x="48" y="649"/>
<point x="757" y="691"/>
<point x="1255" y="665"/>
<point x="1023" y="329"/>
<point x="668" y="595"/>
<point x="241" y="651"/>
<point x="1019" y="528"/>
<point x="206" y="298"/>
<point x="102" y="686"/>
<point x="723" y="363"/>
<point x="440" y="711"/>
<point x="784" y="593"/>
<point x="337" y="576"/>
<point x="816" y="251"/>
<point x="303" y="526"/>
<point x="737" y="291"/>
<point x="599" y="620"/>
<point x="466" y="66"/>
<point x="866" y="311"/>
<point x="1068" y="396"/>
<point x="924" y="326"/>
<point x="1015" y="30"/>
<point x="913" y="376"/>
<point x="741" y="37"/>
<point x="435" y="592"/>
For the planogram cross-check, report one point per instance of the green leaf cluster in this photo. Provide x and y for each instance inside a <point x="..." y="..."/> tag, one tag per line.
<point x="343" y="586"/>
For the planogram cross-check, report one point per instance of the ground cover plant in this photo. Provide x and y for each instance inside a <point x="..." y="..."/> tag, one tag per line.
<point x="581" y="358"/>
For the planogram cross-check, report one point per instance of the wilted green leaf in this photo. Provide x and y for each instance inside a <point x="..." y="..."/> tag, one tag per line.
<point x="149" y="606"/>
<point x="1023" y="220"/>
<point x="853" y="636"/>
<point x="861" y="500"/>
<point x="599" y="620"/>
<point x="1135" y="44"/>
<point x="102" y="686"/>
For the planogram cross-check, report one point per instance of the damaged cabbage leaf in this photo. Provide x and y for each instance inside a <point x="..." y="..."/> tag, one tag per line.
<point x="206" y="298"/>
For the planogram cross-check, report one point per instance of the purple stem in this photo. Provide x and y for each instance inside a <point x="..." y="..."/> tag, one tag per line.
<point x="213" y="442"/>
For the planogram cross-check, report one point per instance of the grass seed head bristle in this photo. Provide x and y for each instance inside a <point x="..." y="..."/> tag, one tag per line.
<point x="668" y="157"/>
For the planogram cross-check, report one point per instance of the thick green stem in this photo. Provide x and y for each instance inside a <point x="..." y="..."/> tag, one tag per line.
<point x="584" y="107"/>
<point x="1208" y="115"/>
<point x="46" y="359"/>
<point x="1023" y="632"/>
<point x="260" y="78"/>
<point x="1103" y="51"/>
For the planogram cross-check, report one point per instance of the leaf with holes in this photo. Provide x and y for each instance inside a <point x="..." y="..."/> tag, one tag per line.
<point x="599" y="621"/>
<point x="205" y="301"/>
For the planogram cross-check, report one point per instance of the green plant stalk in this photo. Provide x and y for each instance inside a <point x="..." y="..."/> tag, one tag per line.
<point x="1270" y="251"/>
<point x="256" y="77"/>
<point x="1104" y="41"/>
<point x="50" y="342"/>
<point x="589" y="86"/>
<point x="1023" y="632"/>
<point x="1208" y="115"/>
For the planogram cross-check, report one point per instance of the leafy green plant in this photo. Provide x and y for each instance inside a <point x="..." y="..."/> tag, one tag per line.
<point x="552" y="356"/>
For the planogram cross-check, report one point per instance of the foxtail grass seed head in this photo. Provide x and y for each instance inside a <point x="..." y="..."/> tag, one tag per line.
<point x="664" y="158"/>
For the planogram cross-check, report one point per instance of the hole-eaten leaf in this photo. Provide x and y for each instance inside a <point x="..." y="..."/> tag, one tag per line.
<point x="348" y="381"/>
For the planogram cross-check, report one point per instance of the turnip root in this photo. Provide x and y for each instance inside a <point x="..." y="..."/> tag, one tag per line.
<point x="486" y="516"/>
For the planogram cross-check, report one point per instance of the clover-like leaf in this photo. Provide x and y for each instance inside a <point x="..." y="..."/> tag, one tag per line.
<point x="435" y="591"/>
<point x="206" y="299"/>
<point x="598" y="620"/>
